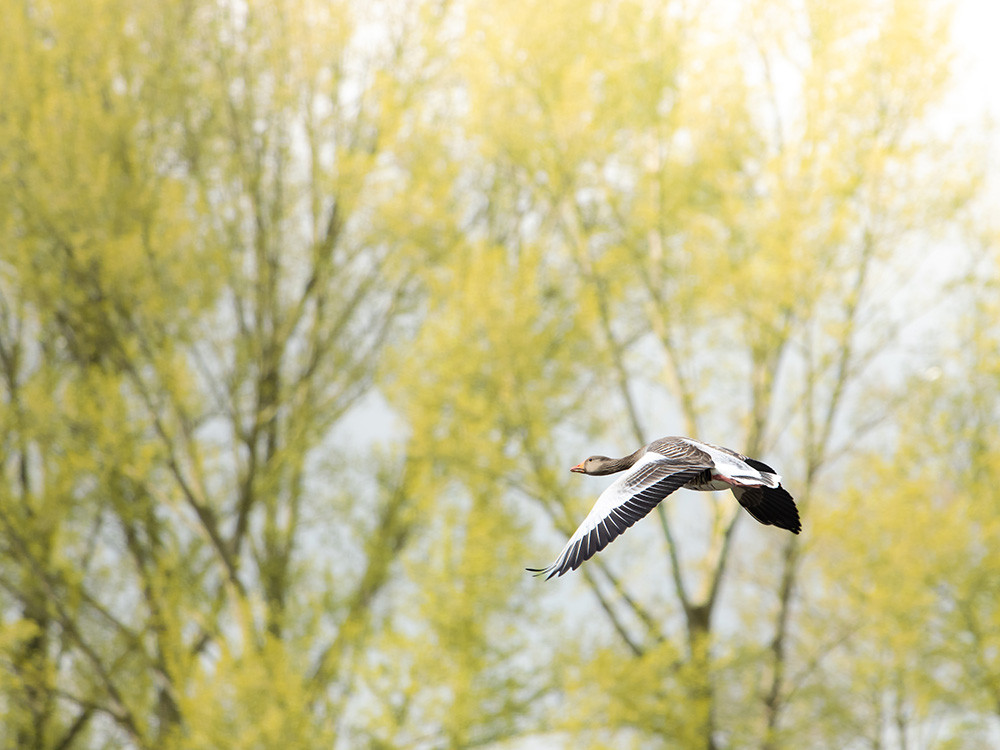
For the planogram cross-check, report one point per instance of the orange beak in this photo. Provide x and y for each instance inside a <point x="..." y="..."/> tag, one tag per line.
<point x="579" y="468"/>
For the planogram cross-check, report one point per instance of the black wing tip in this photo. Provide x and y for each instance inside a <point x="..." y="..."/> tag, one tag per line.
<point x="788" y="525"/>
<point x="794" y="527"/>
<point x="775" y="507"/>
<point x="786" y="512"/>
<point x="552" y="570"/>
<point x="759" y="465"/>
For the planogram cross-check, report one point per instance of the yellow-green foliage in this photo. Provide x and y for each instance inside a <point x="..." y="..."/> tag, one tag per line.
<point x="254" y="700"/>
<point x="913" y="580"/>
<point x="231" y="233"/>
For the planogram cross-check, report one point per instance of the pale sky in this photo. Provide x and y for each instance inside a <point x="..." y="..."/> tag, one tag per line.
<point x="977" y="71"/>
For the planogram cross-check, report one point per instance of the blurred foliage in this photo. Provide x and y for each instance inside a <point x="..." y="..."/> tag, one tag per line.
<point x="306" y="307"/>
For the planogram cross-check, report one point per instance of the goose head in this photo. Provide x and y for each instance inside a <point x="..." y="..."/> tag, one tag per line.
<point x="596" y="465"/>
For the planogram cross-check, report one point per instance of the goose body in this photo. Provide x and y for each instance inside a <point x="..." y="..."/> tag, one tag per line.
<point x="656" y="470"/>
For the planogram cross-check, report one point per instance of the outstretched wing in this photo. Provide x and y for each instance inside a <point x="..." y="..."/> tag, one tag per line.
<point x="770" y="506"/>
<point x="736" y="468"/>
<point x="627" y="500"/>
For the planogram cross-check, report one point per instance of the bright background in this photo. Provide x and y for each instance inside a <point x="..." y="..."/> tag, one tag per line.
<point x="307" y="307"/>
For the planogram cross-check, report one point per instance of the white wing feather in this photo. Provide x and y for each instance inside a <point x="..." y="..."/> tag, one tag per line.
<point x="732" y="467"/>
<point x="625" y="501"/>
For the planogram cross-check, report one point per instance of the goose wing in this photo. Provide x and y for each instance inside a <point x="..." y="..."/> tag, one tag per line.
<point x="684" y="452"/>
<point x="772" y="506"/>
<point x="629" y="498"/>
<point x="734" y="467"/>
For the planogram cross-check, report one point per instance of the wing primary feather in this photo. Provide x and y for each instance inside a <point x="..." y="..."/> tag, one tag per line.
<point x="608" y="532"/>
<point x="619" y="517"/>
<point x="617" y="522"/>
<point x="771" y="506"/>
<point x="758" y="465"/>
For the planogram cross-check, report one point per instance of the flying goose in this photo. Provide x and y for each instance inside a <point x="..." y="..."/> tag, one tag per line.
<point x="656" y="470"/>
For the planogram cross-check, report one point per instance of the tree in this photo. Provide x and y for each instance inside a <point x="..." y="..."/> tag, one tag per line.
<point x="915" y="582"/>
<point x="722" y="244"/>
<point x="530" y="231"/>
<point x="201" y="272"/>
